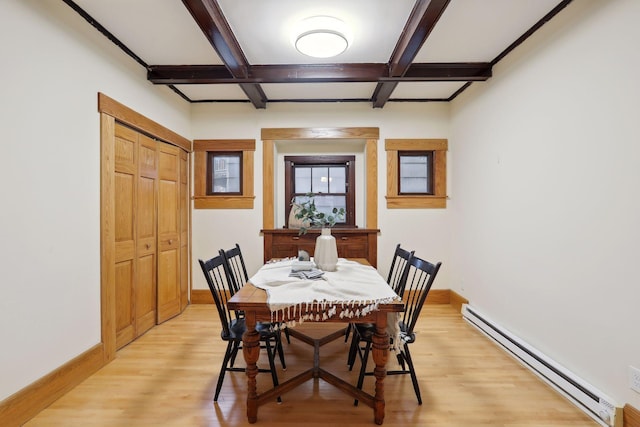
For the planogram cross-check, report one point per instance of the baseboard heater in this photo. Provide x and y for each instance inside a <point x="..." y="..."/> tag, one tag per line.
<point x="593" y="402"/>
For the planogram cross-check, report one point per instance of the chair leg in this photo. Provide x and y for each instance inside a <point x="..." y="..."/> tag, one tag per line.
<point x="412" y="371"/>
<point x="353" y="349"/>
<point x="234" y="353"/>
<point x="400" y="358"/>
<point x="363" y="368"/>
<point x="280" y="351"/>
<point x="272" y="365"/>
<point x="286" y="334"/>
<point x="347" y="332"/>
<point x="223" y="370"/>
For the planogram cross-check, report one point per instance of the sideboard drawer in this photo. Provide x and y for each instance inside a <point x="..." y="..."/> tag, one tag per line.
<point x="351" y="243"/>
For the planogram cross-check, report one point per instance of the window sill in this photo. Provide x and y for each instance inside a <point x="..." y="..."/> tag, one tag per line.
<point x="416" y="202"/>
<point x="223" y="202"/>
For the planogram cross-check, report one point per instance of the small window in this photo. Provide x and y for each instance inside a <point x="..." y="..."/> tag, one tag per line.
<point x="415" y="172"/>
<point x="330" y="178"/>
<point x="225" y="173"/>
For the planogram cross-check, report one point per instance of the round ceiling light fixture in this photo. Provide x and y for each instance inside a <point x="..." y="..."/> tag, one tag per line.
<point x="321" y="37"/>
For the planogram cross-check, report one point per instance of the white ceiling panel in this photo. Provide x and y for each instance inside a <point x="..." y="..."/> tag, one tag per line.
<point x="426" y="90"/>
<point x="263" y="27"/>
<point x="223" y="92"/>
<point x="319" y="90"/>
<point x="479" y="30"/>
<point x="158" y="31"/>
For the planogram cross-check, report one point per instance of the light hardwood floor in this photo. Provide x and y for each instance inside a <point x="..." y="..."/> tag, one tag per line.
<point x="167" y="378"/>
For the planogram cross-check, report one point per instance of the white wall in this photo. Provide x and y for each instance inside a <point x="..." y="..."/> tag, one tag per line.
<point x="546" y="195"/>
<point x="426" y="231"/>
<point x="53" y="66"/>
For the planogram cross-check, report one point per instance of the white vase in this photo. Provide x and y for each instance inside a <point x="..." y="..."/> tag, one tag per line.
<point x="326" y="251"/>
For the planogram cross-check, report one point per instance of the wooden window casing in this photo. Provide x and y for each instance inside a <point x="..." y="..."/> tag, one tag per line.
<point x="271" y="135"/>
<point x="396" y="200"/>
<point x="203" y="197"/>
<point x="347" y="161"/>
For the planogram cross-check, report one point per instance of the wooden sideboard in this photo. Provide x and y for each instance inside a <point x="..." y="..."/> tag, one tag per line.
<point x="351" y="242"/>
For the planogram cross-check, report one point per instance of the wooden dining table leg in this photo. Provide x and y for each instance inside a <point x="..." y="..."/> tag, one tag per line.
<point x="380" y="352"/>
<point x="251" y="352"/>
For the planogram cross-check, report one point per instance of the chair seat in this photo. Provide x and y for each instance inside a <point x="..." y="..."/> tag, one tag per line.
<point x="366" y="330"/>
<point x="237" y="328"/>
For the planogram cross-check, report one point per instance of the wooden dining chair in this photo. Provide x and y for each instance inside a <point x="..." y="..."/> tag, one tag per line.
<point x="237" y="273"/>
<point x="234" y="327"/>
<point x="397" y="272"/>
<point x="420" y="277"/>
<point x="236" y="267"/>
<point x="396" y="278"/>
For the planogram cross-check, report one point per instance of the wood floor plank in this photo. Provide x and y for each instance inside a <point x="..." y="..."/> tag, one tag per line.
<point x="167" y="378"/>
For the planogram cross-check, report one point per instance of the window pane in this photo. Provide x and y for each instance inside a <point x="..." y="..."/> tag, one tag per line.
<point x="303" y="180"/>
<point x="326" y="204"/>
<point x="226" y="173"/>
<point x="300" y="199"/>
<point x="337" y="180"/>
<point x="320" y="179"/>
<point x="414" y="174"/>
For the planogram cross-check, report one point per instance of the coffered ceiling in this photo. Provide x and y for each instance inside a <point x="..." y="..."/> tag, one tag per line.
<point x="242" y="50"/>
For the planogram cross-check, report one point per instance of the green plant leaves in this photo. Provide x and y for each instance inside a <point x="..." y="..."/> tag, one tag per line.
<point x="309" y="214"/>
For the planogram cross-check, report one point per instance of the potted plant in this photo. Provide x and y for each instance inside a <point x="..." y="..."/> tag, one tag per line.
<point x="309" y="216"/>
<point x="326" y="252"/>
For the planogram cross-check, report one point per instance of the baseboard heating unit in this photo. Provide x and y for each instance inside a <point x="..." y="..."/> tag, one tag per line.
<point x="593" y="402"/>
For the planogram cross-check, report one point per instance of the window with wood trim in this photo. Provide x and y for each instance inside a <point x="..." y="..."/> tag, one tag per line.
<point x="223" y="173"/>
<point x="330" y="178"/>
<point x="416" y="173"/>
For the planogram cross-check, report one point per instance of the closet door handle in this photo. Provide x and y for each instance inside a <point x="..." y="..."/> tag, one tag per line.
<point x="295" y="238"/>
<point x="147" y="246"/>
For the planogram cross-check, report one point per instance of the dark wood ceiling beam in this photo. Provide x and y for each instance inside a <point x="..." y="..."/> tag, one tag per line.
<point x="423" y="19"/>
<point x="383" y="92"/>
<point x="255" y="93"/>
<point x="471" y="71"/>
<point x="311" y="73"/>
<point x="189" y="74"/>
<point x="213" y="74"/>
<point x="210" y="19"/>
<point x="317" y="73"/>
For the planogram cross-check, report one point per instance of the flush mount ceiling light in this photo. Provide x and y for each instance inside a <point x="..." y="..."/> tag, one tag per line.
<point x="321" y="37"/>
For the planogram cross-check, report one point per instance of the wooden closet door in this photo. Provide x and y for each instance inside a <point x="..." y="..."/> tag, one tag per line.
<point x="146" y="226"/>
<point x="184" y="229"/>
<point x="125" y="159"/>
<point x="168" y="232"/>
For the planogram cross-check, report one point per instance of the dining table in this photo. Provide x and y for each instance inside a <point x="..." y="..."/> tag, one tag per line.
<point x="358" y="293"/>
